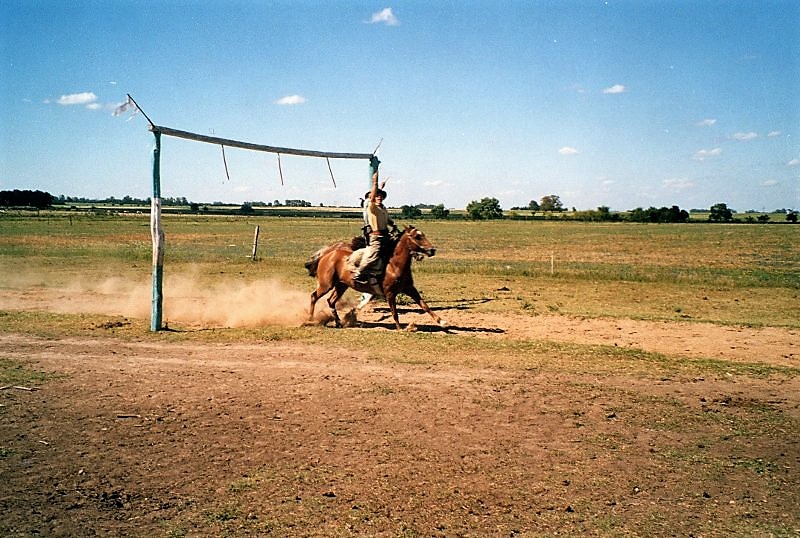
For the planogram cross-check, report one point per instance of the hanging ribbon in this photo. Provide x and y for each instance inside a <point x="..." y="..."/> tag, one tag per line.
<point x="225" y="162"/>
<point x="331" y="171"/>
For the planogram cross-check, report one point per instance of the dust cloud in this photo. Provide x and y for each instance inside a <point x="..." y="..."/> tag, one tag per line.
<point x="188" y="299"/>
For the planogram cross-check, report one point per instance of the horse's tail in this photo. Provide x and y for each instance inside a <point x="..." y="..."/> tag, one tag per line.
<point x="311" y="265"/>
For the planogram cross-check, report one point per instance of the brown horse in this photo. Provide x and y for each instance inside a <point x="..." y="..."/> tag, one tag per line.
<point x="330" y="266"/>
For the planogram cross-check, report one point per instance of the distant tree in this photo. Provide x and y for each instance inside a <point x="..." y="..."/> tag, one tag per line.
<point x="763" y="218"/>
<point x="720" y="213"/>
<point x="194" y="207"/>
<point x="662" y="215"/>
<point x="533" y="205"/>
<point x="551" y="203"/>
<point x="604" y="212"/>
<point x="439" y="212"/>
<point x="638" y="215"/>
<point x="791" y="216"/>
<point x="410" y="211"/>
<point x="486" y="209"/>
<point x="26" y="198"/>
<point x="673" y="214"/>
<point x="246" y="209"/>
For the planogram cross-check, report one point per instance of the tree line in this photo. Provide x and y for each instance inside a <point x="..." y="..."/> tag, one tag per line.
<point x="489" y="208"/>
<point x="485" y="209"/>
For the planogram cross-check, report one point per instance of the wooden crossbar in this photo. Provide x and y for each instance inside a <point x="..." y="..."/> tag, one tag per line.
<point x="257" y="147"/>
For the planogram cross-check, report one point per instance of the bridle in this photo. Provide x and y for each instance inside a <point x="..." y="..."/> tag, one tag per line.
<point x="419" y="248"/>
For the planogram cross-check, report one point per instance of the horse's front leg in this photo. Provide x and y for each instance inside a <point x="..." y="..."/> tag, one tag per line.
<point x="391" y="298"/>
<point x="414" y="294"/>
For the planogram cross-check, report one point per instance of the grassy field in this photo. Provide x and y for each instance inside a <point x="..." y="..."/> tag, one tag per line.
<point x="727" y="274"/>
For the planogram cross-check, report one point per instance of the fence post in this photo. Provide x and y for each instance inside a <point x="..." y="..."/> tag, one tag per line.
<point x="255" y="244"/>
<point x="157" y="234"/>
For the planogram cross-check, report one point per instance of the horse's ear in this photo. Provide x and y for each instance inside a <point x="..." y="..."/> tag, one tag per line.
<point x="409" y="227"/>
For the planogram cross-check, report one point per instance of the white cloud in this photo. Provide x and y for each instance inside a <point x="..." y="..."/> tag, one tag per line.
<point x="704" y="154"/>
<point x="744" y="137"/>
<point x="708" y="122"/>
<point x="434" y="183"/>
<point x="94" y="106"/>
<point x="385" y="16"/>
<point x="83" y="98"/>
<point x="773" y="134"/>
<point x="678" y="183"/>
<point x="616" y="88"/>
<point x="793" y="162"/>
<point x="770" y="183"/>
<point x="291" y="100"/>
<point x="566" y="150"/>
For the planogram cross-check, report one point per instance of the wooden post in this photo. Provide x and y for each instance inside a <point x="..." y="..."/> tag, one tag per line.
<point x="157" y="234"/>
<point x="255" y="244"/>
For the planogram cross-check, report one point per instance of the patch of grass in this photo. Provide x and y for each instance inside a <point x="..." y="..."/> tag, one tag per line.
<point x="55" y="325"/>
<point x="223" y="514"/>
<point x="15" y="373"/>
<point x="758" y="465"/>
<point x="243" y="484"/>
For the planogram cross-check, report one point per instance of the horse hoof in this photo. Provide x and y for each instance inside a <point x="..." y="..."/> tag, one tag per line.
<point x="411" y="327"/>
<point x="442" y="323"/>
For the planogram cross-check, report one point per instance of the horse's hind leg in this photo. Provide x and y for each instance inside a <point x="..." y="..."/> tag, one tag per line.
<point x="414" y="294"/>
<point x="315" y="296"/>
<point x="338" y="290"/>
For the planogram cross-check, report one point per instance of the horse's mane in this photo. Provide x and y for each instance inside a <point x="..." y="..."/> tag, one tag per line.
<point x="358" y="242"/>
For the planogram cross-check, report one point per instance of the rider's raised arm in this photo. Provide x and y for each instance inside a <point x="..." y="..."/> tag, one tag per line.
<point x="374" y="191"/>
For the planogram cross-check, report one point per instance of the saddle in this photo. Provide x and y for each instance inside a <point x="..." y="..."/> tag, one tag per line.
<point x="359" y="244"/>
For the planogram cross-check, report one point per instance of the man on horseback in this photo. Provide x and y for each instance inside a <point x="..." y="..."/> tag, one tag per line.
<point x="378" y="229"/>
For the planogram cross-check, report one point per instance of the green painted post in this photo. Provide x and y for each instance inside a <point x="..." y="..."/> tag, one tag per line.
<point x="157" y="234"/>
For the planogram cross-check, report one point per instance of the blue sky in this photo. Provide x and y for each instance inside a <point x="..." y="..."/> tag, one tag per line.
<point x="616" y="103"/>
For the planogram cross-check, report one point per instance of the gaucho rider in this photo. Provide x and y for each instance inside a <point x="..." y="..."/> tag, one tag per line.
<point x="378" y="230"/>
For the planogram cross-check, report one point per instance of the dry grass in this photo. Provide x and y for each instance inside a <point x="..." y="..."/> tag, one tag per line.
<point x="732" y="274"/>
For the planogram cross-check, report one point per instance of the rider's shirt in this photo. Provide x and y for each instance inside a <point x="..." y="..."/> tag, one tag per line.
<point x="378" y="217"/>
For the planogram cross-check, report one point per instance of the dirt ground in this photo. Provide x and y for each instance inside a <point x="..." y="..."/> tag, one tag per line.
<point x="143" y="439"/>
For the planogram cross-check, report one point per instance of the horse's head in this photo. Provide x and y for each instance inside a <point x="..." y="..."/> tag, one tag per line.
<point x="417" y="242"/>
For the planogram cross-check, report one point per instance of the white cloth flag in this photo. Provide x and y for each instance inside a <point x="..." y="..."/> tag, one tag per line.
<point x="129" y="104"/>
